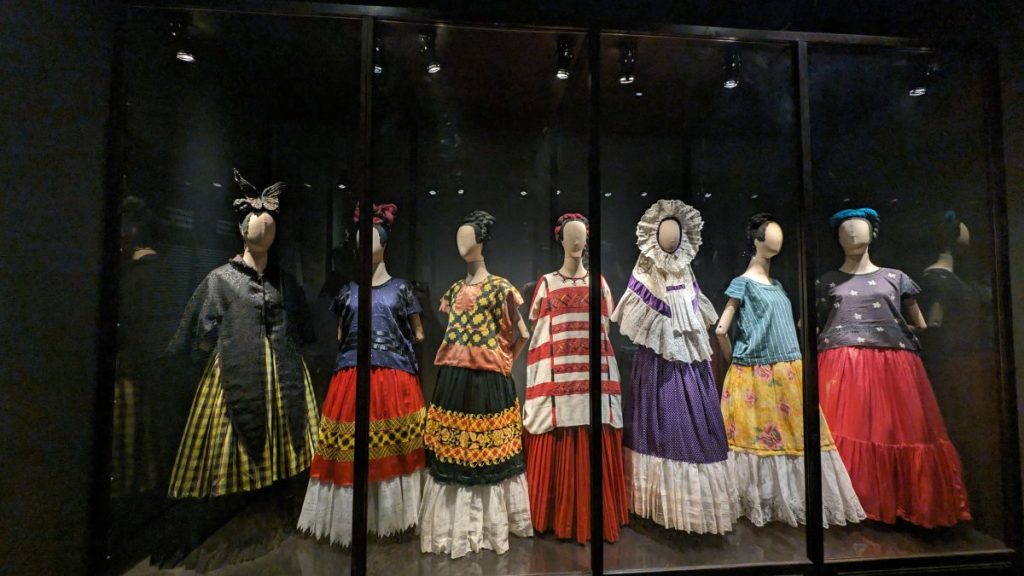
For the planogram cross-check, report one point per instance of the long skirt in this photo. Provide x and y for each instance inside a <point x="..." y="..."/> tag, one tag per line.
<point x="764" y="424"/>
<point x="212" y="461"/>
<point x="476" y="492"/>
<point x="678" y="456"/>
<point x="887" y="426"/>
<point x="558" y="474"/>
<point x="396" y="457"/>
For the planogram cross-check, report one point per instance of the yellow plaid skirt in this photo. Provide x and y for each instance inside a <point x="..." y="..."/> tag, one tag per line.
<point x="212" y="462"/>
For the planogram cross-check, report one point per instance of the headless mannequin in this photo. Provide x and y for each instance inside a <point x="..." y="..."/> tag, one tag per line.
<point x="855" y="235"/>
<point x="476" y="272"/>
<point x="379" y="278"/>
<point x="945" y="261"/>
<point x="574" y="241"/>
<point x="758" y="270"/>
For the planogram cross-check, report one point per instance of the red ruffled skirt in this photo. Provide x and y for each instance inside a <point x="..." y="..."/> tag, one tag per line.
<point x="558" y="476"/>
<point x="397" y="413"/>
<point x="889" y="431"/>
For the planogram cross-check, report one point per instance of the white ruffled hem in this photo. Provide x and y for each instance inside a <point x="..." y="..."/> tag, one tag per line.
<point x="392" y="506"/>
<point x="771" y="489"/>
<point x="457" y="519"/>
<point x="677" y="339"/>
<point x="682" y="495"/>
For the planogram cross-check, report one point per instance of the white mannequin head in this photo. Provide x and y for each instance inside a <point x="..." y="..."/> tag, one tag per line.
<point x="258" y="229"/>
<point x="670" y="234"/>
<point x="574" y="238"/>
<point x="474" y="230"/>
<point x="855" y="235"/>
<point x="378" y="245"/>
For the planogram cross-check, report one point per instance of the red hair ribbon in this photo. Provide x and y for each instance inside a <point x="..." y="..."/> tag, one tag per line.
<point x="570" y="217"/>
<point x="382" y="214"/>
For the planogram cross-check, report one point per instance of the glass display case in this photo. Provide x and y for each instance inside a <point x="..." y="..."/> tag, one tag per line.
<point x="768" y="262"/>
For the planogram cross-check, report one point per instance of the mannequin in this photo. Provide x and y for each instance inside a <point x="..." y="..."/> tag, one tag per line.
<point x="952" y="237"/>
<point x="254" y="416"/>
<point x="677" y="440"/>
<point x="396" y="409"/>
<point x="557" y="410"/>
<point x="473" y="433"/>
<point x="762" y="398"/>
<point x="901" y="461"/>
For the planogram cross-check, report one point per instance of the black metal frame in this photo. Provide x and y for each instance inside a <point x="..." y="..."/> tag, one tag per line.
<point x="594" y="26"/>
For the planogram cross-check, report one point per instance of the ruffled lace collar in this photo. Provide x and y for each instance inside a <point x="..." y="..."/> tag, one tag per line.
<point x="690" y="224"/>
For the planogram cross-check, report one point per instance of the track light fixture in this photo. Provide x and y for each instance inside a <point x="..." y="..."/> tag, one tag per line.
<point x="378" y="56"/>
<point x="924" y="81"/>
<point x="732" y="77"/>
<point x="429" y="51"/>
<point x="564" y="58"/>
<point x="182" y="43"/>
<point x="627" y="63"/>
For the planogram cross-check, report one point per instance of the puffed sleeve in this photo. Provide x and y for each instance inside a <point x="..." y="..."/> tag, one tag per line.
<point x="908" y="288"/>
<point x="737" y="288"/>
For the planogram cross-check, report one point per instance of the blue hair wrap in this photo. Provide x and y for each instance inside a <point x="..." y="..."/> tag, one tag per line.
<point x="866" y="213"/>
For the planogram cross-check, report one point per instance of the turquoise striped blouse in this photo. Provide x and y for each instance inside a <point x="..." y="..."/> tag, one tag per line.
<point x="765" y="332"/>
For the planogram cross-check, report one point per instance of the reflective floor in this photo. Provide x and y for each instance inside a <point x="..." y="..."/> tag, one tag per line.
<point x="261" y="540"/>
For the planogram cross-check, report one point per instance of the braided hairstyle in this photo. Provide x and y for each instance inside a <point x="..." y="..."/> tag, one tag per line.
<point x="481" y="222"/>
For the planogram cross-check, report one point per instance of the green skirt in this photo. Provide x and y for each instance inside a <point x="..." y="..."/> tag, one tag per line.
<point x="474" y="428"/>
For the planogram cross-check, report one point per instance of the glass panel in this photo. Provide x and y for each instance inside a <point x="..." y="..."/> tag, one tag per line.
<point x="213" y="438"/>
<point x="903" y="134"/>
<point x="711" y="125"/>
<point x="473" y="119"/>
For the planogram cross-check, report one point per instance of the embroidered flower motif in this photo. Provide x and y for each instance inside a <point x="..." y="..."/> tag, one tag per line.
<point x="891" y="275"/>
<point x="853" y="292"/>
<point x="902" y="345"/>
<point x="876" y="304"/>
<point x="872" y="283"/>
<point x="726" y="394"/>
<point x="784" y="408"/>
<point x="857" y="316"/>
<point x="879" y="329"/>
<point x="836" y="305"/>
<point x="831" y="284"/>
<point x="730" y="432"/>
<point x="860" y="340"/>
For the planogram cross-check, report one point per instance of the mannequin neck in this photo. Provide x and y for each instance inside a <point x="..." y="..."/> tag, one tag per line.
<point x="380" y="274"/>
<point x="759" y="268"/>
<point x="858" y="263"/>
<point x="572" y="267"/>
<point x="476" y="271"/>
<point x="943" y="262"/>
<point x="255" y="259"/>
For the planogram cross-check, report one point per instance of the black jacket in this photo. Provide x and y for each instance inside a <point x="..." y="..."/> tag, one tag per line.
<point x="231" y="311"/>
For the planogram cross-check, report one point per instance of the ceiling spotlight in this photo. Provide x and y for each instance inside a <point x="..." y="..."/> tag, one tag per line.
<point x="183" y="50"/>
<point x="627" y="63"/>
<point x="522" y="192"/>
<point x="378" y="56"/>
<point x="639" y="93"/>
<point x="432" y="192"/>
<point x="558" y="192"/>
<point x="920" y="87"/>
<point x="461" y="192"/>
<point x="732" y="78"/>
<point x="643" y="194"/>
<point x="341" y="186"/>
<point x="564" y="58"/>
<point x="607" y="194"/>
<point x="217" y="185"/>
<point x="429" y="51"/>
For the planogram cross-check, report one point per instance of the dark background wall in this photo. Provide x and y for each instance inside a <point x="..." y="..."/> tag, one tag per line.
<point x="54" y="103"/>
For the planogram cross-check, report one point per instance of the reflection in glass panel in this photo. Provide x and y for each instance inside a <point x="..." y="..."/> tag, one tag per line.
<point x="908" y="366"/>
<point x="698" y="137"/>
<point x="476" y="119"/>
<point x="225" y="283"/>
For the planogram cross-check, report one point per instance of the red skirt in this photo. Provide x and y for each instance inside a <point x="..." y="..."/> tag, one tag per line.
<point x="397" y="413"/>
<point x="558" y="476"/>
<point x="889" y="431"/>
